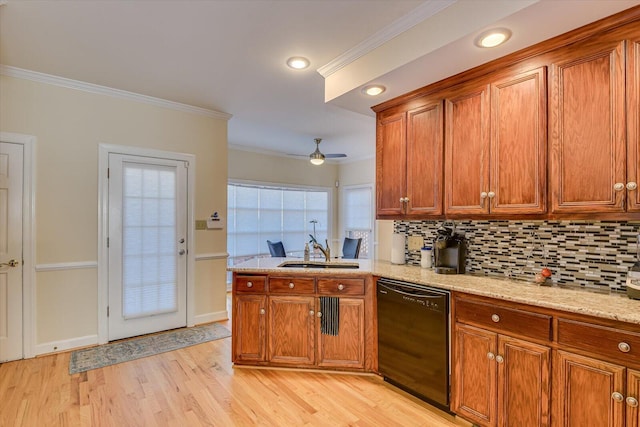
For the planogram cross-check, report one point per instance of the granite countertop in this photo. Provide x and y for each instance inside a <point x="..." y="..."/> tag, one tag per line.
<point x="616" y="306"/>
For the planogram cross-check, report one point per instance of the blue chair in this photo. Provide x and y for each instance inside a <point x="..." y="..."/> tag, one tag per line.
<point x="351" y="248"/>
<point x="276" y="249"/>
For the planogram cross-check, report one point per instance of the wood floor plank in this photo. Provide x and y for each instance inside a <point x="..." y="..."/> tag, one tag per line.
<point x="199" y="386"/>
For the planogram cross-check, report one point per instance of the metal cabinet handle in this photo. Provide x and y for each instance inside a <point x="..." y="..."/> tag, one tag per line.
<point x="491" y="356"/>
<point x="499" y="359"/>
<point x="340" y="287"/>
<point x="495" y="318"/>
<point x="632" y="401"/>
<point x="319" y="314"/>
<point x="631" y="186"/>
<point x="483" y="195"/>
<point x="263" y="311"/>
<point x="491" y="194"/>
<point x="406" y="200"/>
<point x="291" y="285"/>
<point x="618" y="397"/>
<point x="618" y="186"/>
<point x="11" y="263"/>
<point x="624" y="347"/>
<point x="311" y="312"/>
<point x="249" y="284"/>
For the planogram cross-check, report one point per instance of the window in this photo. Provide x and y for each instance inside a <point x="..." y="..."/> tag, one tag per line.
<point x="257" y="213"/>
<point x="358" y="216"/>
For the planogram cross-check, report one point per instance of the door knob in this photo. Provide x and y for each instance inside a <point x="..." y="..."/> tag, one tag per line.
<point x="11" y="263"/>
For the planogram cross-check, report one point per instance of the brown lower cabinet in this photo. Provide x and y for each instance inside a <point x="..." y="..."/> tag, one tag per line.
<point x="277" y="321"/>
<point x="501" y="380"/>
<point x="591" y="392"/>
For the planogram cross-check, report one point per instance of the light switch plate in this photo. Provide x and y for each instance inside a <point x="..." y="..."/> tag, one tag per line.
<point x="415" y="243"/>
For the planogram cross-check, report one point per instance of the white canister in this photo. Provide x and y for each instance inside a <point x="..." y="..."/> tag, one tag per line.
<point x="397" y="248"/>
<point x="425" y="257"/>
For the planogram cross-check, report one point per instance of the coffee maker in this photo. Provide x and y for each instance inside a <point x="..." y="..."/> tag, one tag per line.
<point x="450" y="251"/>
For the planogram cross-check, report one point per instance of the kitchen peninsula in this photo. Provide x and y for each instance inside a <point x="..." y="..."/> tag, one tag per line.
<point x="504" y="334"/>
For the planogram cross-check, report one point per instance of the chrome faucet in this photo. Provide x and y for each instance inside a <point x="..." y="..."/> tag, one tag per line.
<point x="326" y="251"/>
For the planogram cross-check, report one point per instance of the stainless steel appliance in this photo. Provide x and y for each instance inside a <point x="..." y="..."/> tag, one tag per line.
<point x="413" y="339"/>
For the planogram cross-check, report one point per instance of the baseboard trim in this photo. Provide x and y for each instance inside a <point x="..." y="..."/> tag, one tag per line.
<point x="211" y="317"/>
<point x="64" y="345"/>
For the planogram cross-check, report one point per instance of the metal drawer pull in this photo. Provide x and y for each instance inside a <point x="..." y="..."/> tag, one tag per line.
<point x="319" y="314"/>
<point x="495" y="318"/>
<point x="632" y="185"/>
<point x="624" y="347"/>
<point x="262" y="311"/>
<point x="617" y="396"/>
<point x="291" y="285"/>
<point x="491" y="356"/>
<point x="491" y="194"/>
<point x="618" y="186"/>
<point x="632" y="401"/>
<point x="340" y="287"/>
<point x="310" y="312"/>
<point x="249" y="284"/>
<point x="499" y="359"/>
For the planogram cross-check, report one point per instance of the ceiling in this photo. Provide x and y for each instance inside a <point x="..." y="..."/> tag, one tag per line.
<point x="229" y="55"/>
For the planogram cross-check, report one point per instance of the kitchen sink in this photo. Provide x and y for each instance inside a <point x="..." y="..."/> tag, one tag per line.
<point x="318" y="264"/>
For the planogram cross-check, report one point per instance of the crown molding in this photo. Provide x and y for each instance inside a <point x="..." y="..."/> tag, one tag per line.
<point x="36" y="76"/>
<point x="413" y="18"/>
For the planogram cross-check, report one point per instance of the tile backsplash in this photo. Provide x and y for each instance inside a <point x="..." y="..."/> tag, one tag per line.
<point x="595" y="255"/>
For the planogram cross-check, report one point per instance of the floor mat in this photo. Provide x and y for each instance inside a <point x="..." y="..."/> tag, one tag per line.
<point x="123" y="351"/>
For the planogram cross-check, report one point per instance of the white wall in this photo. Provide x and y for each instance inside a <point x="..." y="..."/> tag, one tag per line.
<point x="69" y="124"/>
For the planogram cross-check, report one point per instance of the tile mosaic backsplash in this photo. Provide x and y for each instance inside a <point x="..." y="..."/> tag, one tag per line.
<point x="595" y="255"/>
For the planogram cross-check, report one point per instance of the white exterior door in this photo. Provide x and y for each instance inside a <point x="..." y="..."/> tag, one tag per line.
<point x="11" y="198"/>
<point x="147" y="245"/>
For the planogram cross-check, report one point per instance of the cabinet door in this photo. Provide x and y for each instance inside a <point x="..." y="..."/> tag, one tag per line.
<point x="632" y="398"/>
<point x="633" y="125"/>
<point x="391" y="164"/>
<point x="587" y="138"/>
<point x="291" y="330"/>
<point x="249" y="328"/>
<point x="524" y="385"/>
<point x="583" y="389"/>
<point x="474" y="372"/>
<point x="517" y="182"/>
<point x="467" y="140"/>
<point x="345" y="350"/>
<point x="425" y="133"/>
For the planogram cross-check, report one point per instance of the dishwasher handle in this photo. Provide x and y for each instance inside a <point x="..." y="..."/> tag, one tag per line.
<point x="412" y="292"/>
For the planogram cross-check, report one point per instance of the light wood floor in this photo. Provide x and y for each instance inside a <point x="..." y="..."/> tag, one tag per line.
<point x="198" y="386"/>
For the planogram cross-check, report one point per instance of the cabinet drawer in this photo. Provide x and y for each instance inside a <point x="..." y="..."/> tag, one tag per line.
<point x="292" y="285"/>
<point x="337" y="286"/>
<point x="251" y="284"/>
<point x="504" y="319"/>
<point x="603" y="341"/>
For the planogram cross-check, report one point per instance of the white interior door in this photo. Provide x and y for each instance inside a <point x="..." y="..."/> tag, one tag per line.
<point x="147" y="245"/>
<point x="11" y="195"/>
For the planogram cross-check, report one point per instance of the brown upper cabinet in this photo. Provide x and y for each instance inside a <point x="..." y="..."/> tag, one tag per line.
<point x="588" y="130"/>
<point x="495" y="147"/>
<point x="409" y="161"/>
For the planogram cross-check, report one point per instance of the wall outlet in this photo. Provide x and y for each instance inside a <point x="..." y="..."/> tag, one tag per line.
<point x="415" y="243"/>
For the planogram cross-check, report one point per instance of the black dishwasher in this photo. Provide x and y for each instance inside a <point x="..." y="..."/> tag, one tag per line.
<point x="413" y="339"/>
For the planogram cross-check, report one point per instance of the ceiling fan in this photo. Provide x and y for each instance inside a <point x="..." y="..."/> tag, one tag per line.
<point x="317" y="158"/>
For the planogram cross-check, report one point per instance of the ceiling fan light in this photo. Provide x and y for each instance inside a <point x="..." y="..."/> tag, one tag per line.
<point x="316" y="158"/>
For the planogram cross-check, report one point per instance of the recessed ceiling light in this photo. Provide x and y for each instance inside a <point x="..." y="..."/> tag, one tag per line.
<point x="298" y="62"/>
<point x="493" y="37"/>
<point x="373" y="90"/>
